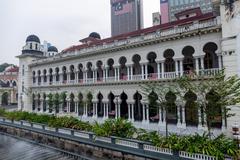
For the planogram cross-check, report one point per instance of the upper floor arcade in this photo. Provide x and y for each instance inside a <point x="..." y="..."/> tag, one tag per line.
<point x="201" y="57"/>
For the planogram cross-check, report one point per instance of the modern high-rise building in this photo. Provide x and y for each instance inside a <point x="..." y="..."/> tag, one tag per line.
<point x="171" y="7"/>
<point x="126" y="16"/>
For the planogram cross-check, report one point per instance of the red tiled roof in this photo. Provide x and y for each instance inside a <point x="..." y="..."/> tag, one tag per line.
<point x="13" y="69"/>
<point x="142" y="31"/>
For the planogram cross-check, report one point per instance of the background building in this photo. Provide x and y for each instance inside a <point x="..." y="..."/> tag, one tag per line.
<point x="126" y="16"/>
<point x="170" y="7"/>
<point x="8" y="86"/>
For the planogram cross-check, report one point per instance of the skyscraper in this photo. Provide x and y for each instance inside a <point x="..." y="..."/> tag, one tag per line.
<point x="126" y="16"/>
<point x="170" y="7"/>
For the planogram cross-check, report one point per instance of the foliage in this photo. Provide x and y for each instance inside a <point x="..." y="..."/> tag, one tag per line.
<point x="50" y="101"/>
<point x="214" y="94"/>
<point x="63" y="97"/>
<point x="4" y="66"/>
<point x="2" y="112"/>
<point x="89" y="98"/>
<point x="115" y="127"/>
<point x="69" y="122"/>
<point x="202" y="144"/>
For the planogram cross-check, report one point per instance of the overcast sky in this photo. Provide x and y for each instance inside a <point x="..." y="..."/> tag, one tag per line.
<point x="60" y="22"/>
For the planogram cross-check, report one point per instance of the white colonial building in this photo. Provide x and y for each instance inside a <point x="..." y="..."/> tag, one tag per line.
<point x="107" y="73"/>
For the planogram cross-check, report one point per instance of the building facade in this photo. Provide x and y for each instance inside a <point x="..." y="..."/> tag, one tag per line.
<point x="126" y="16"/>
<point x="107" y="74"/>
<point x="171" y="7"/>
<point x="8" y="86"/>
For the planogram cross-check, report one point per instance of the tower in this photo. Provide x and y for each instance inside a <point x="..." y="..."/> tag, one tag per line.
<point x="31" y="51"/>
<point x="126" y="16"/>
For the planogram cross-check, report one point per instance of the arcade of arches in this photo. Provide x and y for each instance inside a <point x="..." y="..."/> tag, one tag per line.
<point x="115" y="106"/>
<point x="8" y="96"/>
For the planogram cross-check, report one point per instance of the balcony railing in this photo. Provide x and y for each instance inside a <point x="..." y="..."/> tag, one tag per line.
<point x="205" y="73"/>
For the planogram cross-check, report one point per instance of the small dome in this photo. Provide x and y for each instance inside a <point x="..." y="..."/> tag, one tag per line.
<point x="52" y="49"/>
<point x="95" y="35"/>
<point x="33" y="38"/>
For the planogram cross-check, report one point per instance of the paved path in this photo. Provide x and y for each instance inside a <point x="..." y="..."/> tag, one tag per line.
<point x="14" y="149"/>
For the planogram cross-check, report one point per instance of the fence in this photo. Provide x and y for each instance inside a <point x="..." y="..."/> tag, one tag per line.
<point x="130" y="146"/>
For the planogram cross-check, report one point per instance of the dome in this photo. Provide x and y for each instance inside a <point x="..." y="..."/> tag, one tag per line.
<point x="52" y="49"/>
<point x="95" y="35"/>
<point x="33" y="38"/>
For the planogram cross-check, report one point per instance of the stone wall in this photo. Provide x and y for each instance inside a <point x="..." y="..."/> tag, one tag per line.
<point x="82" y="149"/>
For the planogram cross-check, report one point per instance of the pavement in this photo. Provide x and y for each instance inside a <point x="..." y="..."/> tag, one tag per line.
<point x="9" y="107"/>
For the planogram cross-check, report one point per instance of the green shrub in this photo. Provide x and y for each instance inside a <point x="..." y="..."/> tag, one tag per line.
<point x="2" y="112"/>
<point x="115" y="127"/>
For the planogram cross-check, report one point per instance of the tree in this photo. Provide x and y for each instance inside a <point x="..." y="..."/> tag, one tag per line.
<point x="56" y="102"/>
<point x="157" y="95"/>
<point x="50" y="102"/>
<point x="216" y="95"/>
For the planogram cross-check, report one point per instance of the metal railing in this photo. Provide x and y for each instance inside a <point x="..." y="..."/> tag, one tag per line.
<point x="131" y="146"/>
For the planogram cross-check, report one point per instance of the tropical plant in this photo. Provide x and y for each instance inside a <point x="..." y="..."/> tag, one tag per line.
<point x="115" y="127"/>
<point x="50" y="102"/>
<point x="215" y="95"/>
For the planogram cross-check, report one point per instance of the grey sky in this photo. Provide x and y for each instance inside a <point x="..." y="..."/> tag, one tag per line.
<point x="60" y="22"/>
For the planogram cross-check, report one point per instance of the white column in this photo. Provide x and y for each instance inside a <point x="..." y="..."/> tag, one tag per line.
<point x="200" y="126"/>
<point x="164" y="116"/>
<point x="183" y="117"/>
<point x="115" y="70"/>
<point x="116" y="110"/>
<point x="132" y="106"/>
<point x="197" y="66"/>
<point x="158" y="70"/>
<point x="119" y="111"/>
<point x="202" y="63"/>
<point x="162" y="67"/>
<point x="160" y="116"/>
<point x="68" y="77"/>
<point x="118" y="73"/>
<point x="147" y="111"/>
<point x="178" y="117"/>
<point x="144" y="115"/>
<point x="142" y="66"/>
<point x="220" y="61"/>
<point x="76" y="77"/>
<point x="146" y="71"/>
<point x="176" y="65"/>
<point x="93" y="80"/>
<point x="131" y="72"/>
<point x="106" y="110"/>
<point x="129" y="112"/>
<point x="104" y="75"/>
<point x="128" y="72"/>
<point x="181" y="67"/>
<point x="76" y="107"/>
<point x="96" y="110"/>
<point x="86" y="77"/>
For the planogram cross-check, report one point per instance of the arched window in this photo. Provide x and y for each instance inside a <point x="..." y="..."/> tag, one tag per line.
<point x="153" y="107"/>
<point x="188" y="60"/>
<point x="169" y="63"/>
<point x="100" y="110"/>
<point x="99" y="71"/>
<point x="152" y="65"/>
<point x="124" y="106"/>
<point x="210" y="58"/>
<point x="191" y="109"/>
<point x="80" y="73"/>
<point x="136" y="66"/>
<point x="138" y="107"/>
<point x="123" y="68"/>
<point x="111" y="104"/>
<point x="171" y="107"/>
<point x="111" y="72"/>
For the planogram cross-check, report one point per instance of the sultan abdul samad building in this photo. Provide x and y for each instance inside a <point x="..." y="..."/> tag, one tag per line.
<point x="108" y="72"/>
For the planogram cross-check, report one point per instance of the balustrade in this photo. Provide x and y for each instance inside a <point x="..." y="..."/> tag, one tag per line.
<point x="151" y="76"/>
